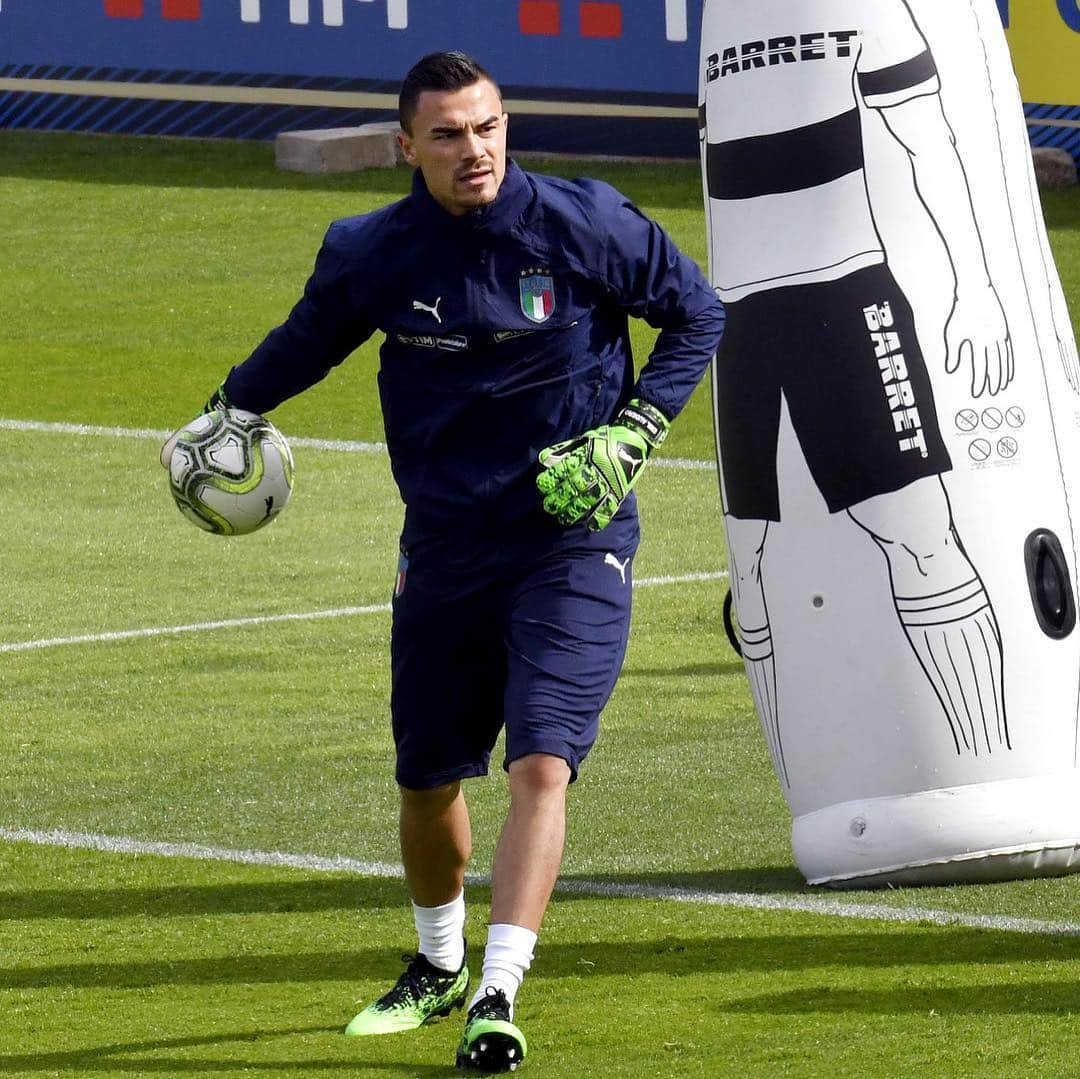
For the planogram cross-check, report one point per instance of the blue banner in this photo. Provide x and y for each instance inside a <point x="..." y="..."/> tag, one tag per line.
<point x="649" y="46"/>
<point x="578" y="75"/>
<point x="593" y="76"/>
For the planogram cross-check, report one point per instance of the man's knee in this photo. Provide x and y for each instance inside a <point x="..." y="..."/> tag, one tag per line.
<point x="538" y="774"/>
<point x="430" y="802"/>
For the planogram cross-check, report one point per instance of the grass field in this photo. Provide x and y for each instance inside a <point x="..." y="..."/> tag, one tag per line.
<point x="197" y="817"/>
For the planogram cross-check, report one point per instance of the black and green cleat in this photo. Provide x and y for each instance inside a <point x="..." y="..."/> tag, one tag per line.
<point x="421" y="993"/>
<point x="491" y="1042"/>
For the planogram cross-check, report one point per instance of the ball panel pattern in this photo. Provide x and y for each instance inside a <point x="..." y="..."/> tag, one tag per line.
<point x="231" y="472"/>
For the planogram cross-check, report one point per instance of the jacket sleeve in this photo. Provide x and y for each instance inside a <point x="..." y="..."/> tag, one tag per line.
<point x="326" y="325"/>
<point x="653" y="280"/>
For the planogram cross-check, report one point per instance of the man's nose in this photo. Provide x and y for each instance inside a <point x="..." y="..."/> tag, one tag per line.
<point x="474" y="145"/>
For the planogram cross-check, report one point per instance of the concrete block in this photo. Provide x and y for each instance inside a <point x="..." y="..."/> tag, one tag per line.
<point x="339" y="149"/>
<point x="1055" y="169"/>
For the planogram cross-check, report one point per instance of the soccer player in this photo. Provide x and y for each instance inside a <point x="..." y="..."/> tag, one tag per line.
<point x="818" y="317"/>
<point x="516" y="430"/>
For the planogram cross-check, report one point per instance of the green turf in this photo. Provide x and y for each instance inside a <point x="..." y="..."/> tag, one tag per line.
<point x="147" y="268"/>
<point x="1062" y="212"/>
<point x="155" y="967"/>
<point x="137" y="271"/>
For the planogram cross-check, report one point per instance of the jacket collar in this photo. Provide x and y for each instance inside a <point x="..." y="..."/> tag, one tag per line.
<point x="495" y="219"/>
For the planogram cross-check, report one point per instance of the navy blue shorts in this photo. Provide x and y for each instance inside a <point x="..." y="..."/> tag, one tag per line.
<point x="529" y="635"/>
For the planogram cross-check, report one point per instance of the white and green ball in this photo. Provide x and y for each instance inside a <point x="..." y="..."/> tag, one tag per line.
<point x="231" y="472"/>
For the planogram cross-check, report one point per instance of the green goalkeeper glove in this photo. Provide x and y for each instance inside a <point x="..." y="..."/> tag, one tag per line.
<point x="217" y="400"/>
<point x="586" y="478"/>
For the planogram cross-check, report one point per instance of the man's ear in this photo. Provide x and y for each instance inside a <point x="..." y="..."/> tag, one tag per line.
<point x="406" y="144"/>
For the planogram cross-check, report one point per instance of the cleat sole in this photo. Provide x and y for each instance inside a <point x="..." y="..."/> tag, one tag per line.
<point x="494" y="1053"/>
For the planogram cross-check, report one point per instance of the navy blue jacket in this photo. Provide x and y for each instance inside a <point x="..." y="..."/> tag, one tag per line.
<point x="506" y="331"/>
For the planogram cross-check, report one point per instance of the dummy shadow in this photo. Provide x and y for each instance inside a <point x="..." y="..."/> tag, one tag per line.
<point x="865" y="948"/>
<point x="1039" y="998"/>
<point x="760" y="879"/>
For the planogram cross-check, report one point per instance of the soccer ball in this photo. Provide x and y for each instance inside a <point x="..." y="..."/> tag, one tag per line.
<point x="231" y="471"/>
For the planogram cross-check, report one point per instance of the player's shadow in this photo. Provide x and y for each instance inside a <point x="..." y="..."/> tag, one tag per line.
<point x="147" y="1057"/>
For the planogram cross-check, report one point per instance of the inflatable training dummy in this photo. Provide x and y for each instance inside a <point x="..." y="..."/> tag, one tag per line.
<point x="898" y="429"/>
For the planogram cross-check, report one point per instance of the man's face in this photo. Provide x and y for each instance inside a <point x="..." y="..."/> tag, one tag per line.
<point x="458" y="142"/>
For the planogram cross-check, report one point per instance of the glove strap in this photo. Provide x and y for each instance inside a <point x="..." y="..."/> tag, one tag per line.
<point x="217" y="400"/>
<point x="646" y="419"/>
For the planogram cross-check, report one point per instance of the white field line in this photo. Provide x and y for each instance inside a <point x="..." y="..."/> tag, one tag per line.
<point x="266" y="619"/>
<point x="331" y="444"/>
<point x="766" y="901"/>
<point x="151" y="435"/>
<point x="191" y="627"/>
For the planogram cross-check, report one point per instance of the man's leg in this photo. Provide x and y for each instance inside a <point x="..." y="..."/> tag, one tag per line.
<point x="525" y="869"/>
<point x="526" y="866"/>
<point x="943" y="609"/>
<point x="436" y="841"/>
<point x="530" y="848"/>
<point x="567" y="625"/>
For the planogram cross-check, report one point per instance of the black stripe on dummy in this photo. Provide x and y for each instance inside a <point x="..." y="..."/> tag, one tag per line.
<point x="891" y="80"/>
<point x="786" y="161"/>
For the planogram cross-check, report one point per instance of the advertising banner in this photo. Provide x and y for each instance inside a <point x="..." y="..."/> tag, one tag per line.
<point x="575" y="71"/>
<point x="1044" y="39"/>
<point x="582" y="75"/>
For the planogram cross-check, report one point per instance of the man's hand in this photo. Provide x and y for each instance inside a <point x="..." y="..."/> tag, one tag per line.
<point x="216" y="400"/>
<point x="586" y="478"/>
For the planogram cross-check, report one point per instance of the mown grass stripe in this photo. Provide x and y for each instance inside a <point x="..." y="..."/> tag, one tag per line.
<point x="334" y="445"/>
<point x="601" y="889"/>
<point x="265" y="619"/>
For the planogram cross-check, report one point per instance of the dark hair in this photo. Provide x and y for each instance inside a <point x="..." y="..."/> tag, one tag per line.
<point x="437" y="71"/>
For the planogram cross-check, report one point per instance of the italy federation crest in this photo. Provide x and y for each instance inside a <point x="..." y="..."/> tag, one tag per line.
<point x="537" y="291"/>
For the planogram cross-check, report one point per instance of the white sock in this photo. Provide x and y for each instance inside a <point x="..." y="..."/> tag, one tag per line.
<point x="508" y="955"/>
<point x="442" y="933"/>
